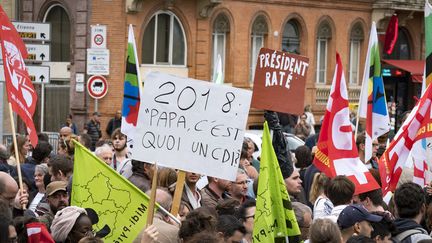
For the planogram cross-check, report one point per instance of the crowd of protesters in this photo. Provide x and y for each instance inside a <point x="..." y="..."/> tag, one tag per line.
<point x="327" y="210"/>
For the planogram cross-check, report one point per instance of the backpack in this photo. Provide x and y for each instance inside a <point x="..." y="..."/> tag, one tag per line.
<point x="404" y="235"/>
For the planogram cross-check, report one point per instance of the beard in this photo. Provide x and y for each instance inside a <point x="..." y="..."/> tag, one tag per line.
<point x="120" y="149"/>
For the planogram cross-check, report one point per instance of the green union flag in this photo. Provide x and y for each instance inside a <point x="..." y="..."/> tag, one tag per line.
<point x="120" y="205"/>
<point x="274" y="217"/>
<point x="428" y="41"/>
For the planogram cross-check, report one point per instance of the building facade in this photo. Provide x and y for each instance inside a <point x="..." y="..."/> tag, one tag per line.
<point x="186" y="38"/>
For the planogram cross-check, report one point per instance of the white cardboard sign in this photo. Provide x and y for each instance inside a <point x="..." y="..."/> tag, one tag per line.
<point x="191" y="125"/>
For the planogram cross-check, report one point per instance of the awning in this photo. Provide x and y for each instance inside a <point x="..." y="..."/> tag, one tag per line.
<point x="415" y="67"/>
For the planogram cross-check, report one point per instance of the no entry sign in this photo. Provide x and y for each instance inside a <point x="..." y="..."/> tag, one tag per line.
<point x="97" y="86"/>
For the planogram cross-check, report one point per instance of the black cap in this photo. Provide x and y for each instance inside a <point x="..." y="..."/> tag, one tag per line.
<point x="355" y="213"/>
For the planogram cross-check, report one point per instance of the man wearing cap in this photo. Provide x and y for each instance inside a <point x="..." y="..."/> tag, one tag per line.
<point x="92" y="128"/>
<point x="355" y="219"/>
<point x="57" y="198"/>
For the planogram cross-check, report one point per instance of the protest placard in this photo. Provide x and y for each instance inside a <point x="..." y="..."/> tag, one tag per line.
<point x="280" y="80"/>
<point x="191" y="125"/>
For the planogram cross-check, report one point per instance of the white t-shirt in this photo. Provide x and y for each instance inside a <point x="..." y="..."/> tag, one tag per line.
<point x="322" y="207"/>
<point x="335" y="212"/>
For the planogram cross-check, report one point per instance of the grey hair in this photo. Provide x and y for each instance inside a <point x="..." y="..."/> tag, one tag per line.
<point x="42" y="168"/>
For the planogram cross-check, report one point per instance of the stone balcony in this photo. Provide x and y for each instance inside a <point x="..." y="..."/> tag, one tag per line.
<point x="322" y="94"/>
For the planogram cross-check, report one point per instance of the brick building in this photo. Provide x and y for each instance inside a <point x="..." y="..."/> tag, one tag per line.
<point x="185" y="37"/>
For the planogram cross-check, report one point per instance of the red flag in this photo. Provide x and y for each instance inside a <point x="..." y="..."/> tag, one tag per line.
<point x="417" y="126"/>
<point x="337" y="152"/>
<point x="38" y="233"/>
<point x="21" y="93"/>
<point x="391" y="34"/>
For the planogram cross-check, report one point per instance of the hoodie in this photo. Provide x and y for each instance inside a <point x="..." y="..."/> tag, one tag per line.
<point x="403" y="225"/>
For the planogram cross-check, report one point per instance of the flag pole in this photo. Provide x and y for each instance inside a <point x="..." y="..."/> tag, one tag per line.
<point x="151" y="207"/>
<point x="140" y="85"/>
<point x="16" y="151"/>
<point x="181" y="175"/>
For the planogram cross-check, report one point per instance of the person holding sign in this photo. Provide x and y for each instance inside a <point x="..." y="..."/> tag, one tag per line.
<point x="191" y="194"/>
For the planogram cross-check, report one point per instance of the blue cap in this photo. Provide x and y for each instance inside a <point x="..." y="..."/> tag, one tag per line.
<point x="355" y="213"/>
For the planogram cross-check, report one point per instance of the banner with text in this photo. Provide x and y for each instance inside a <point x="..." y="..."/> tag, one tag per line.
<point x="279" y="83"/>
<point x="191" y="125"/>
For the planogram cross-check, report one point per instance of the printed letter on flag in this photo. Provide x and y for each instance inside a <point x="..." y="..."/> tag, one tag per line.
<point x="274" y="216"/>
<point x="337" y="152"/>
<point x="131" y="95"/>
<point x="416" y="127"/>
<point x="119" y="204"/>
<point x="21" y="93"/>
<point x="372" y="103"/>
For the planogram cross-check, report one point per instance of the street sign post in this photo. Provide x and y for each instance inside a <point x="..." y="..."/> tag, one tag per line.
<point x="98" y="36"/>
<point x="97" y="86"/>
<point x="38" y="52"/>
<point x="38" y="74"/>
<point x="98" y="61"/>
<point x="33" y="31"/>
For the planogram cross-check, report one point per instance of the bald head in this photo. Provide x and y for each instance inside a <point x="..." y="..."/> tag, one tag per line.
<point x="65" y="132"/>
<point x="163" y="198"/>
<point x="8" y="187"/>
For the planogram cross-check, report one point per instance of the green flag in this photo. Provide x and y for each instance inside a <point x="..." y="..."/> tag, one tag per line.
<point x="428" y="42"/>
<point x="274" y="216"/>
<point x="119" y="204"/>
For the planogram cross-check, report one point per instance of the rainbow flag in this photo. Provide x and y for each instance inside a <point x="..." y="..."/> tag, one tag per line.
<point x="373" y="104"/>
<point x="131" y="95"/>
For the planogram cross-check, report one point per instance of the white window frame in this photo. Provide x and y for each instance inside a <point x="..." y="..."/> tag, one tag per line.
<point x="170" y="45"/>
<point x="319" y="41"/>
<point x="254" y="54"/>
<point x="354" y="80"/>
<point x="215" y="53"/>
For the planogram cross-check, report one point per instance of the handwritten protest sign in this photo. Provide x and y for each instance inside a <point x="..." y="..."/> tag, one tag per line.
<point x="191" y="125"/>
<point x="280" y="80"/>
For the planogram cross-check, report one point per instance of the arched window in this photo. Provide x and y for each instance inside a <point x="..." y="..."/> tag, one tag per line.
<point x="164" y="41"/>
<point x="221" y="29"/>
<point x="291" y="37"/>
<point x="259" y="31"/>
<point x="356" y="38"/>
<point x="402" y="49"/>
<point x="323" y="37"/>
<point x="60" y="33"/>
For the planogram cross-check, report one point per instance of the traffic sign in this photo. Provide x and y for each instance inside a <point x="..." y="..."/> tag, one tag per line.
<point x="36" y="52"/>
<point x="38" y="74"/>
<point x="98" y="61"/>
<point x="98" y="36"/>
<point x="97" y="86"/>
<point x="33" y="31"/>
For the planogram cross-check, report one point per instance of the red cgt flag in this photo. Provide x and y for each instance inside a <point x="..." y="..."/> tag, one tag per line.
<point x="337" y="152"/>
<point x="416" y="127"/>
<point x="38" y="233"/>
<point x="21" y="93"/>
